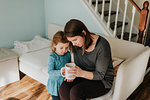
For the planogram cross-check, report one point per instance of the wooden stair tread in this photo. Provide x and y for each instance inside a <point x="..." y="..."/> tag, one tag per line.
<point x="100" y="2"/>
<point x="126" y="35"/>
<point x="106" y="13"/>
<point x="119" y="24"/>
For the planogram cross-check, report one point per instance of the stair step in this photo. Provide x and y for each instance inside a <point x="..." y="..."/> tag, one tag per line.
<point x="119" y="24"/>
<point x="106" y="13"/>
<point x="126" y="35"/>
<point x="100" y="2"/>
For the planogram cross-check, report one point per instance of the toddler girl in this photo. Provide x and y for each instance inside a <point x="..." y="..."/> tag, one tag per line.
<point x="56" y="61"/>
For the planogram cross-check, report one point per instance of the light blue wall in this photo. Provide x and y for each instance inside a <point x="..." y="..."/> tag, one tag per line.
<point x="61" y="11"/>
<point x="20" y="20"/>
<point x="23" y="19"/>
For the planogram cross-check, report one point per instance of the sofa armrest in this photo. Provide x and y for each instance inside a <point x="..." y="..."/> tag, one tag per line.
<point x="130" y="74"/>
<point x="122" y="48"/>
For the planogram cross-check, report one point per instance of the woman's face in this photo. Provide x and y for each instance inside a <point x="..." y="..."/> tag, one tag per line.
<point x="76" y="41"/>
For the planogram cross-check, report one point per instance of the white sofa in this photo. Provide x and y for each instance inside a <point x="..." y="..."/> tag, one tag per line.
<point x="130" y="73"/>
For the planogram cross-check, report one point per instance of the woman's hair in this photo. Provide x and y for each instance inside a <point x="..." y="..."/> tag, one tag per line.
<point x="58" y="38"/>
<point x="75" y="27"/>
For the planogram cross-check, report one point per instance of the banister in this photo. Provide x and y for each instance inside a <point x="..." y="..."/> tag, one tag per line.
<point x="135" y="5"/>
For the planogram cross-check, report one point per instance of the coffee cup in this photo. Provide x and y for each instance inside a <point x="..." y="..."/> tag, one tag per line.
<point x="67" y="67"/>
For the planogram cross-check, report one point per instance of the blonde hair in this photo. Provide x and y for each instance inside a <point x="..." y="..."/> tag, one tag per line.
<point x="58" y="38"/>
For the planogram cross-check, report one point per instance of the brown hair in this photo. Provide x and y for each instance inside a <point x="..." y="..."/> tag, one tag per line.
<point x="75" y="27"/>
<point x="58" y="38"/>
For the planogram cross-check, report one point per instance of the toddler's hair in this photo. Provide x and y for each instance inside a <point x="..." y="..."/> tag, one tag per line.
<point x="58" y="38"/>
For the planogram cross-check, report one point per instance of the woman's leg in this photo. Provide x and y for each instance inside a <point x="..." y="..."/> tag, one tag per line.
<point x="81" y="89"/>
<point x="87" y="89"/>
<point x="64" y="90"/>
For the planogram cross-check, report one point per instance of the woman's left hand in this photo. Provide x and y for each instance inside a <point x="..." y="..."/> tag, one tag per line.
<point x="76" y="71"/>
<point x="79" y="71"/>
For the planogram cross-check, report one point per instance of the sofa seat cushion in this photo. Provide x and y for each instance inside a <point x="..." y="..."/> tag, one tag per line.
<point x="116" y="63"/>
<point x="37" y="59"/>
<point x="45" y="69"/>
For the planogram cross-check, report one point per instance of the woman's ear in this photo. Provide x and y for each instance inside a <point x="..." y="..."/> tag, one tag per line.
<point x="84" y="32"/>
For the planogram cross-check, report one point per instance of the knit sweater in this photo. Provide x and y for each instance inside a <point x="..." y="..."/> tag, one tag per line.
<point x="98" y="61"/>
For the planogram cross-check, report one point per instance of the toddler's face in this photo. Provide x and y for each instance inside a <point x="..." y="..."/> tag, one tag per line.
<point x="61" y="48"/>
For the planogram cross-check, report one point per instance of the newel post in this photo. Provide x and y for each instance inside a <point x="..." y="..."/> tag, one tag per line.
<point x="143" y="20"/>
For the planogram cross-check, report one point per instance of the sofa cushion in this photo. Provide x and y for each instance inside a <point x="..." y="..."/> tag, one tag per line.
<point x="45" y="69"/>
<point x="33" y="60"/>
<point x="53" y="28"/>
<point x="37" y="43"/>
<point x="116" y="63"/>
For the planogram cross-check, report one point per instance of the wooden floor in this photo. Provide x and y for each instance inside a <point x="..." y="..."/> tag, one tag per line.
<point x="25" y="89"/>
<point x="29" y="89"/>
<point x="143" y="91"/>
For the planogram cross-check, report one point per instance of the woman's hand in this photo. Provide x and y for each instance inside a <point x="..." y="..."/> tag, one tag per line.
<point x="82" y="73"/>
<point x="76" y="71"/>
<point x="79" y="71"/>
<point x="72" y="74"/>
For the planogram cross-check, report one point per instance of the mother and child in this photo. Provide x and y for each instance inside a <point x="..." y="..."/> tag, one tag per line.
<point x="93" y="73"/>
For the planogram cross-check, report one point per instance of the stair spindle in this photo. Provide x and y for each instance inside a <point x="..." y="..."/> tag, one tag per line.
<point x="117" y="11"/>
<point x="131" y="27"/>
<point x="96" y="7"/>
<point x="103" y="5"/>
<point x="90" y="2"/>
<point x="110" y="5"/>
<point x="124" y="18"/>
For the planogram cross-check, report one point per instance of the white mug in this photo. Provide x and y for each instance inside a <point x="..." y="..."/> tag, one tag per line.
<point x="67" y="67"/>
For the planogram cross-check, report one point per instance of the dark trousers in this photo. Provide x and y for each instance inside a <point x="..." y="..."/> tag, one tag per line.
<point x="55" y="97"/>
<point x="81" y="88"/>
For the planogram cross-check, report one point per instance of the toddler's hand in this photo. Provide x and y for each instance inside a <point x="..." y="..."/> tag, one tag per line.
<point x="68" y="80"/>
<point x="62" y="71"/>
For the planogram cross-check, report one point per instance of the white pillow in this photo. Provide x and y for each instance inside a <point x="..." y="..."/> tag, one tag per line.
<point x="36" y="44"/>
<point x="53" y="28"/>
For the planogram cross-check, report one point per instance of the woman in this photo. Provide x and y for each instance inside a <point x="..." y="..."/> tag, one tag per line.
<point x="94" y="71"/>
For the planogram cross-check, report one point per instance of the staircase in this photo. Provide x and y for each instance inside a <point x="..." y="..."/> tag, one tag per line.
<point x="113" y="19"/>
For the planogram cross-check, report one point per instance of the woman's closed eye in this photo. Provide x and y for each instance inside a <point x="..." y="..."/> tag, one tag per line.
<point x="74" y="40"/>
<point x="67" y="48"/>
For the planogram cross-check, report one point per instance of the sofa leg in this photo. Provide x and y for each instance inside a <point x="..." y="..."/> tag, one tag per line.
<point x="148" y="67"/>
<point x="21" y="74"/>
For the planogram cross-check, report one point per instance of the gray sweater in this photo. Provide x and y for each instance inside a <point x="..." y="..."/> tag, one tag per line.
<point x="98" y="61"/>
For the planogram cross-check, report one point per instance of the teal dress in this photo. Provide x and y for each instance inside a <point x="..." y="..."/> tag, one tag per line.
<point x="55" y="63"/>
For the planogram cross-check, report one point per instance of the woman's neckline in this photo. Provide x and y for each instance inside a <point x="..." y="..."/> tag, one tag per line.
<point x="98" y="39"/>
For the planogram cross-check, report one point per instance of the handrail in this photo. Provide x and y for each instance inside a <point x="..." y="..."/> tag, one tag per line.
<point x="136" y="6"/>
